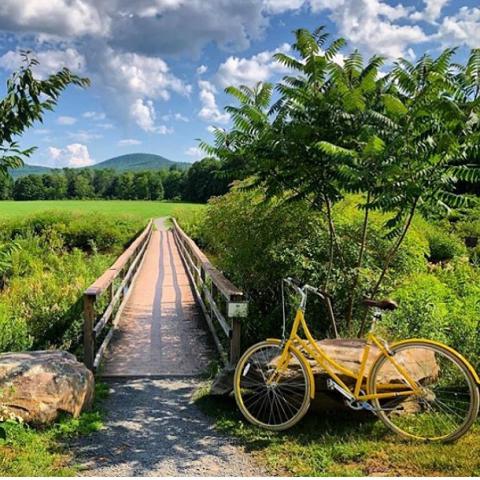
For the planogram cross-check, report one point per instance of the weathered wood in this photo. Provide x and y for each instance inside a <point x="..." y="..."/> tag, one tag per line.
<point x="225" y="286"/>
<point x="207" y="283"/>
<point x="88" y="334"/>
<point x="235" y="341"/>
<point x="105" y="280"/>
<point x="132" y="258"/>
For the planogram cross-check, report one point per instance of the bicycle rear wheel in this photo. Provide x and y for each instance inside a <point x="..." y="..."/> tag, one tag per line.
<point x="448" y="399"/>
<point x="268" y="396"/>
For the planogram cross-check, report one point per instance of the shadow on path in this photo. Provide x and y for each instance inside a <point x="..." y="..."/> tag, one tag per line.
<point x="153" y="429"/>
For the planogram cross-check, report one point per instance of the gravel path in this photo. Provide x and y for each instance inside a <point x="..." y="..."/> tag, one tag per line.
<point x="153" y="429"/>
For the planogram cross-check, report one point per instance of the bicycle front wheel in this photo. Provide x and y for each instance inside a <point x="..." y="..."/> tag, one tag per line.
<point x="446" y="401"/>
<point x="268" y="394"/>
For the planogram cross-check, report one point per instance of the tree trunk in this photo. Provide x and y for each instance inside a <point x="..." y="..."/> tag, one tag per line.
<point x="390" y="256"/>
<point x="363" y="244"/>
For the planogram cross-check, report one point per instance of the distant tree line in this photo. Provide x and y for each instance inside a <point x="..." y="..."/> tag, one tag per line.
<point x="197" y="184"/>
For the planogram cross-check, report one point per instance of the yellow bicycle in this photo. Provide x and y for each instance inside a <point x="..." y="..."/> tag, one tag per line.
<point x="421" y="389"/>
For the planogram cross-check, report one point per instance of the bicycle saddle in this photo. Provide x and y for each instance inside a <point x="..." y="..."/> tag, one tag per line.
<point x="385" y="304"/>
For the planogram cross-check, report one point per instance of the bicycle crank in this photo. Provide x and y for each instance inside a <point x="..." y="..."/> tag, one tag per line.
<point x="350" y="400"/>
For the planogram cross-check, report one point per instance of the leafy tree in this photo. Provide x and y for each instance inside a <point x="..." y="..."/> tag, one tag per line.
<point x="204" y="180"/>
<point x="6" y="187"/>
<point x="25" y="102"/>
<point x="402" y="140"/>
<point x="29" y="187"/>
<point x="54" y="186"/>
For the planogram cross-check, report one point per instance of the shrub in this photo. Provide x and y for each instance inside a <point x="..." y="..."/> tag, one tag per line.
<point x="443" y="245"/>
<point x="257" y="243"/>
<point x="56" y="256"/>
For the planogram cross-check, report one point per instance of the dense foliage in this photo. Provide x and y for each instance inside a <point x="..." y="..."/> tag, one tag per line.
<point x="400" y="141"/>
<point x="197" y="184"/>
<point x="434" y="278"/>
<point x="46" y="261"/>
<point x="26" y="101"/>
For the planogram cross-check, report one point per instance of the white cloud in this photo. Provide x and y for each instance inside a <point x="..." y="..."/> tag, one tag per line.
<point x="143" y="113"/>
<point x="106" y="126"/>
<point x="66" y="120"/>
<point x="248" y="71"/>
<point x="50" y="61"/>
<point x="125" y="142"/>
<point x="280" y="6"/>
<point x="202" y="69"/>
<point x="132" y="83"/>
<point x="84" y="136"/>
<point x="175" y="116"/>
<point x="431" y="12"/>
<point x="96" y="116"/>
<point x="210" y="129"/>
<point x="210" y="111"/>
<point x="194" y="152"/>
<point x="73" y="155"/>
<point x="57" y="17"/>
<point x="461" y="28"/>
<point x="370" y="25"/>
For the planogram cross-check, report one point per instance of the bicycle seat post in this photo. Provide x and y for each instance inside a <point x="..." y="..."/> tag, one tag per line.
<point x="376" y="315"/>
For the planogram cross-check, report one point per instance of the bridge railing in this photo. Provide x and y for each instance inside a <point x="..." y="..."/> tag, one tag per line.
<point x="104" y="300"/>
<point x="222" y="303"/>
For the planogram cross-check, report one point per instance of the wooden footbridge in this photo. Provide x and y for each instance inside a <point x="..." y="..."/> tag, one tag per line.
<point x="146" y="315"/>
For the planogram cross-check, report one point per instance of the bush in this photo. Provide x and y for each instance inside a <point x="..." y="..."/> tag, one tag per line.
<point x="56" y="256"/>
<point x="443" y="245"/>
<point x="258" y="243"/>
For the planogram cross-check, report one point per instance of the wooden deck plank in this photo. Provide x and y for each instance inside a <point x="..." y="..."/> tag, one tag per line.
<point x="161" y="331"/>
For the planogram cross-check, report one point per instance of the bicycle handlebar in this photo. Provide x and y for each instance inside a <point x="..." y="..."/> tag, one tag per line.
<point x="296" y="285"/>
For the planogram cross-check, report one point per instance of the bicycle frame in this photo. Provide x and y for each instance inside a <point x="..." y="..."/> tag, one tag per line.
<point x="328" y="364"/>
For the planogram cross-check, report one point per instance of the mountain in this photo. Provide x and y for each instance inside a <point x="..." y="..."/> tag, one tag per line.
<point x="139" y="161"/>
<point x="132" y="162"/>
<point x="28" y="170"/>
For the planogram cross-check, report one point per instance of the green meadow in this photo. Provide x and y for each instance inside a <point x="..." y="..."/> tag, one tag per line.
<point x="146" y="209"/>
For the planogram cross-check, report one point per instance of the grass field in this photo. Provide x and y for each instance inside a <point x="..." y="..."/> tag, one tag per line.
<point x="346" y="444"/>
<point x="146" y="209"/>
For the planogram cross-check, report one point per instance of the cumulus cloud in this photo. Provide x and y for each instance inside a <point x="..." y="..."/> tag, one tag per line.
<point x="194" y="152"/>
<point x="56" y="17"/>
<point x="431" y="12"/>
<point x="73" y="155"/>
<point x="372" y="25"/>
<point x="133" y="82"/>
<point x="126" y="142"/>
<point x="66" y="120"/>
<point x="461" y="28"/>
<point x="248" y="71"/>
<point x="210" y="111"/>
<point x="143" y="113"/>
<point x="50" y="61"/>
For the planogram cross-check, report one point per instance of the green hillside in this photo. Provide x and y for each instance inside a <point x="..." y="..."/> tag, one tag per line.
<point x="28" y="170"/>
<point x="125" y="163"/>
<point x="138" y="162"/>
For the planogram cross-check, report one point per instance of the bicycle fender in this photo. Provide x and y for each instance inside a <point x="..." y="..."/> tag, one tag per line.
<point x="306" y="364"/>
<point x="446" y="347"/>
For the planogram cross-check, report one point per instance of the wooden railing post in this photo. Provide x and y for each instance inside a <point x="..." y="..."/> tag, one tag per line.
<point x="235" y="341"/>
<point x="88" y="334"/>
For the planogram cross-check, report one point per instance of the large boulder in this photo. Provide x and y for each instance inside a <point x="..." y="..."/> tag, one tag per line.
<point x="38" y="386"/>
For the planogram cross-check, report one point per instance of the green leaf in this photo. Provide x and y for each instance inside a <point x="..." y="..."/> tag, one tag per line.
<point x="394" y="105"/>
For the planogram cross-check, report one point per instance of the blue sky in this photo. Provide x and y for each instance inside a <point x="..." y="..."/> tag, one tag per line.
<point x="158" y="67"/>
